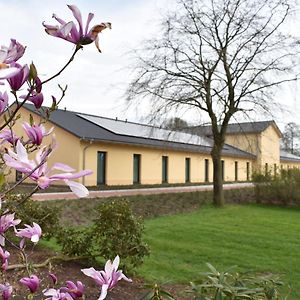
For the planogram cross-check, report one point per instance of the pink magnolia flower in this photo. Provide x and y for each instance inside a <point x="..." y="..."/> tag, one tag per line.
<point x="74" y="290"/>
<point x="9" y="55"/>
<point x="54" y="294"/>
<point x="3" y="101"/>
<point x="6" y="291"/>
<point x="30" y="232"/>
<point x="79" y="36"/>
<point x="7" y="221"/>
<point x="36" y="96"/>
<point x="37" y="99"/>
<point x="4" y="255"/>
<point x="53" y="278"/>
<point x="12" y="53"/>
<point x="38" y="171"/>
<point x="36" y="132"/>
<point x="17" y="81"/>
<point x="107" y="278"/>
<point x="31" y="282"/>
<point x="7" y="135"/>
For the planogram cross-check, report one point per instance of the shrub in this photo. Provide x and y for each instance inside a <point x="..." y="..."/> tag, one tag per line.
<point x="215" y="285"/>
<point x="118" y="232"/>
<point x="283" y="188"/>
<point x="33" y="211"/>
<point x="76" y="241"/>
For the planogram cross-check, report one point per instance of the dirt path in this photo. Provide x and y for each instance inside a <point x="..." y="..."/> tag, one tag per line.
<point x="142" y="191"/>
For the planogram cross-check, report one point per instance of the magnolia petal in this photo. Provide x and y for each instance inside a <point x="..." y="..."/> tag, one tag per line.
<point x="46" y="133"/>
<point x="116" y="262"/>
<point x="77" y="15"/>
<point x="77" y="188"/>
<point x="104" y="290"/>
<point x="38" y="228"/>
<point x="68" y="176"/>
<point x="35" y="238"/>
<point x="22" y="243"/>
<point x="2" y="240"/>
<point x="62" y="167"/>
<point x="89" y="19"/>
<point x="58" y="19"/>
<point x="108" y="268"/>
<point x="89" y="272"/>
<point x="66" y="29"/>
<point x="2" y="56"/>
<point x="123" y="276"/>
<point x="21" y="153"/>
<point x="96" y="275"/>
<point x="8" y="72"/>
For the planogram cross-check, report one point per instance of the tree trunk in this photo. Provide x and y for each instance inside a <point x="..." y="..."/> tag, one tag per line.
<point x="218" y="194"/>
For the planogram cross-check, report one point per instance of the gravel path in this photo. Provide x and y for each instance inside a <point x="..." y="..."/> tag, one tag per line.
<point x="142" y="191"/>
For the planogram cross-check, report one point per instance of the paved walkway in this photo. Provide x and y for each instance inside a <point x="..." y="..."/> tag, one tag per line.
<point x="142" y="191"/>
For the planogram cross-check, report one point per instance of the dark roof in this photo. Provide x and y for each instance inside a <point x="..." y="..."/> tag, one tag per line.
<point x="288" y="157"/>
<point x="244" y="127"/>
<point x="91" y="127"/>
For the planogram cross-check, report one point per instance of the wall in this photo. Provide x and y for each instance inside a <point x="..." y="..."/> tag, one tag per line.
<point x="119" y="171"/>
<point x="119" y="166"/>
<point x="249" y="142"/>
<point x="265" y="145"/>
<point x="270" y="149"/>
<point x="289" y="165"/>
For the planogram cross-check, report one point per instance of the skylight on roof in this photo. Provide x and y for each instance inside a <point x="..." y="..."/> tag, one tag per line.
<point x="145" y="131"/>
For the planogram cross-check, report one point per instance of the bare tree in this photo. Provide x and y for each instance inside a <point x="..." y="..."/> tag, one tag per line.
<point x="175" y="123"/>
<point x="291" y="137"/>
<point x="220" y="57"/>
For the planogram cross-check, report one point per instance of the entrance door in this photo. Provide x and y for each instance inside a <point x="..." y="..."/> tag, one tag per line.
<point x="101" y="168"/>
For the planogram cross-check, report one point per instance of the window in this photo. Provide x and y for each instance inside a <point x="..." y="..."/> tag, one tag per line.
<point x="19" y="175"/>
<point x="206" y="170"/>
<point x="136" y="168"/>
<point x="165" y="169"/>
<point x="266" y="168"/>
<point x="223" y="169"/>
<point x="236" y="171"/>
<point x="101" y="168"/>
<point x="248" y="170"/>
<point x="187" y="169"/>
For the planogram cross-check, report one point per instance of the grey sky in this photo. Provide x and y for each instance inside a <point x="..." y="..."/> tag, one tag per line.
<point x="96" y="82"/>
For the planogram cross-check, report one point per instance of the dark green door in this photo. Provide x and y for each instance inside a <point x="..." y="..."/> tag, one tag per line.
<point x="101" y="168"/>
<point x="187" y="169"/>
<point x="165" y="169"/>
<point x="136" y="168"/>
<point x="206" y="170"/>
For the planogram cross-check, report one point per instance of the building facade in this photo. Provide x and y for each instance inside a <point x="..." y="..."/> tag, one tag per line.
<point x="125" y="153"/>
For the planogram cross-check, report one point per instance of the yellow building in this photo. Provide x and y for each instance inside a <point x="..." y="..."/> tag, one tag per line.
<point x="124" y="153"/>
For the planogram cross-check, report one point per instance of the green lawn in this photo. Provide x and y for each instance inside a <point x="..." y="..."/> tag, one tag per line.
<point x="258" y="238"/>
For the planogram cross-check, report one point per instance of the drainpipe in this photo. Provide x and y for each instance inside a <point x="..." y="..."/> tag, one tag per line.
<point x="84" y="155"/>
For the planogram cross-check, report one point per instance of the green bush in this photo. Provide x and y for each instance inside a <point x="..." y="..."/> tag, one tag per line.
<point x="115" y="231"/>
<point x="231" y="285"/>
<point x="76" y="241"/>
<point x="283" y="188"/>
<point x="118" y="232"/>
<point x="33" y="211"/>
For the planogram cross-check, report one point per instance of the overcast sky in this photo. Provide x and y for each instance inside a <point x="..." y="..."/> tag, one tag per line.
<point x="96" y="82"/>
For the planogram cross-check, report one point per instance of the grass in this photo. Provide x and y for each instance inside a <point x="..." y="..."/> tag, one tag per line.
<point x="258" y="238"/>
